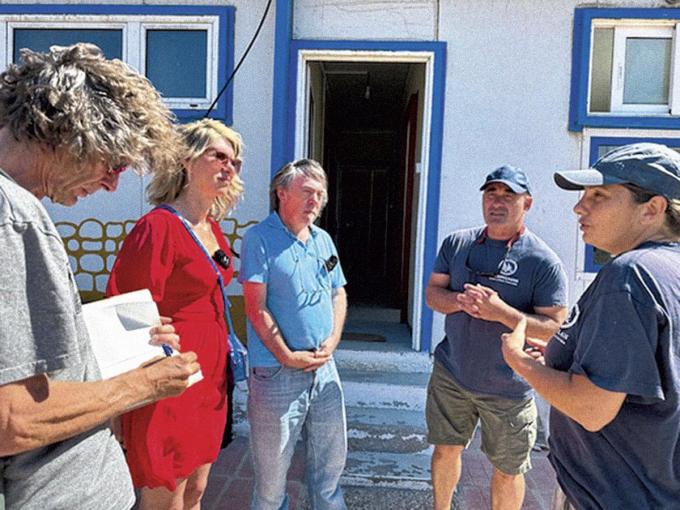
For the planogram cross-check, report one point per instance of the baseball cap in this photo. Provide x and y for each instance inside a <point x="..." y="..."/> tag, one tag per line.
<point x="513" y="177"/>
<point x="650" y="166"/>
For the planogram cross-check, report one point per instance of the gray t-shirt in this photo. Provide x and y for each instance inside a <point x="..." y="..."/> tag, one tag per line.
<point x="527" y="276"/>
<point x="42" y="331"/>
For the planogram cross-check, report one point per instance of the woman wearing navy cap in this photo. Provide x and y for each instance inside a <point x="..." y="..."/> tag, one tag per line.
<point x="612" y="372"/>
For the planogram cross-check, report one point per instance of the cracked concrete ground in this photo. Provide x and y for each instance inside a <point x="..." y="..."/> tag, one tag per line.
<point x="231" y="482"/>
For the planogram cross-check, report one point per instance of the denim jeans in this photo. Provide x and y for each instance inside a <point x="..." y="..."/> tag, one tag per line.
<point x="283" y="405"/>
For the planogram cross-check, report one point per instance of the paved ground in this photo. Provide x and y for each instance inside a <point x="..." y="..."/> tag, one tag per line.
<point x="231" y="482"/>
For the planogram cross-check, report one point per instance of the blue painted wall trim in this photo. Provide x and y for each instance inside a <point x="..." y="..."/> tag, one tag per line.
<point x="225" y="62"/>
<point x="280" y="103"/>
<point x="580" y="63"/>
<point x="590" y="266"/>
<point x="436" y="138"/>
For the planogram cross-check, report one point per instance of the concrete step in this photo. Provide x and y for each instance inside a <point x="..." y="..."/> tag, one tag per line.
<point x="375" y="391"/>
<point x="392" y="361"/>
<point x="387" y="446"/>
<point x="385" y="396"/>
<point x="373" y="379"/>
<point x="386" y="430"/>
<point x="394" y="378"/>
<point x="375" y="467"/>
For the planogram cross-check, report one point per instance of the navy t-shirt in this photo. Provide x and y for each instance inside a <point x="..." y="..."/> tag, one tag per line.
<point x="530" y="276"/>
<point x="624" y="335"/>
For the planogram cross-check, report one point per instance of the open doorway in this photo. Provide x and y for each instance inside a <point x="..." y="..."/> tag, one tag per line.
<point x="363" y="122"/>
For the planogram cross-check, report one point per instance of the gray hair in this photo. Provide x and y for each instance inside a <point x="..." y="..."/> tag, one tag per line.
<point x="288" y="172"/>
<point x="87" y="107"/>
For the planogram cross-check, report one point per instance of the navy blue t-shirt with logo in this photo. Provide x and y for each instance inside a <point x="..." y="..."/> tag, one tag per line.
<point x="624" y="336"/>
<point x="529" y="276"/>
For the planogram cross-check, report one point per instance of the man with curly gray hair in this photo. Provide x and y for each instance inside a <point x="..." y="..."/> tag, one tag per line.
<point x="70" y="122"/>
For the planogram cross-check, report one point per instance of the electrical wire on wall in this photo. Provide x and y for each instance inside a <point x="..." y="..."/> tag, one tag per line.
<point x="243" y="57"/>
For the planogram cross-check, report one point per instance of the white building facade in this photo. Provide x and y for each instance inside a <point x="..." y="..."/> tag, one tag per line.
<point x="408" y="104"/>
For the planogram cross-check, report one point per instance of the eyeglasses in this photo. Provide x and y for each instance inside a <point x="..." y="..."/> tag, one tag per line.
<point x="224" y="158"/>
<point x="117" y="169"/>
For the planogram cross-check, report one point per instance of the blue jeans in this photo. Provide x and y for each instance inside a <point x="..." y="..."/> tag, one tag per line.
<point x="284" y="404"/>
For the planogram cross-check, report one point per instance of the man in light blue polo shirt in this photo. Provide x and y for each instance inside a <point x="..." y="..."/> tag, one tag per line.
<point x="293" y="287"/>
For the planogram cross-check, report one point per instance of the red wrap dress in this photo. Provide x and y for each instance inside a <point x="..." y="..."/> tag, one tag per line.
<point x="173" y="437"/>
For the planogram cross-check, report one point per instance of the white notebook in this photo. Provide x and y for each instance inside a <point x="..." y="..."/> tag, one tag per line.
<point x="119" y="332"/>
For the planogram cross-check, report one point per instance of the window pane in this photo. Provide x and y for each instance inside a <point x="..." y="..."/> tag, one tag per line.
<point x="601" y="72"/>
<point x="176" y="62"/>
<point x="38" y="39"/>
<point x="648" y="62"/>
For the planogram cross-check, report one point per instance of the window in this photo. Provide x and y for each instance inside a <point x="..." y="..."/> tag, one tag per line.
<point x="625" y="69"/>
<point x="186" y="51"/>
<point x="595" y="258"/>
<point x="631" y="70"/>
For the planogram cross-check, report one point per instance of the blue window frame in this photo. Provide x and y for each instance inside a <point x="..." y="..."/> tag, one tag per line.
<point x="594" y="259"/>
<point x="625" y="69"/>
<point x="186" y="51"/>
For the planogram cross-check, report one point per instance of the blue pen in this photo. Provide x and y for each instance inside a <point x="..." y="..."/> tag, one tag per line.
<point x="167" y="349"/>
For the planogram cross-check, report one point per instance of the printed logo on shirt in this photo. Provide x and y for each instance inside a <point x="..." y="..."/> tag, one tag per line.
<point x="562" y="336"/>
<point x="506" y="268"/>
<point x="572" y="317"/>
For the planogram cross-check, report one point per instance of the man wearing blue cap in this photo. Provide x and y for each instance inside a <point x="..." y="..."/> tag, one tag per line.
<point x="612" y="371"/>
<point x="485" y="280"/>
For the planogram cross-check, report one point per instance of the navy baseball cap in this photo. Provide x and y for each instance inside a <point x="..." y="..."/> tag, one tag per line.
<point x="650" y="166"/>
<point x="513" y="177"/>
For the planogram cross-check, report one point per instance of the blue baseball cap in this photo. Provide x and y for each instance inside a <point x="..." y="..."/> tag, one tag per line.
<point x="513" y="177"/>
<point x="650" y="166"/>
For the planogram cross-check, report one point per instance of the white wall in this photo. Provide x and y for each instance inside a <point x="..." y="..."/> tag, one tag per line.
<point x="508" y="103"/>
<point x="364" y="20"/>
<point x="508" y="85"/>
<point x="507" y="100"/>
<point x="252" y="117"/>
<point x="507" y="96"/>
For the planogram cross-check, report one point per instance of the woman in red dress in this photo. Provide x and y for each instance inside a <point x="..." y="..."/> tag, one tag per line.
<point x="172" y="444"/>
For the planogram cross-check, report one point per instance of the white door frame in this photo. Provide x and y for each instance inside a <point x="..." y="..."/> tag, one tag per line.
<point x="302" y="130"/>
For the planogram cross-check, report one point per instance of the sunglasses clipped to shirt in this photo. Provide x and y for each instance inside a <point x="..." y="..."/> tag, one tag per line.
<point x="480" y="240"/>
<point x="222" y="259"/>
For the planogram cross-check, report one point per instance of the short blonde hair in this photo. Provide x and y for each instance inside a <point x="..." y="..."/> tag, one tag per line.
<point x="167" y="184"/>
<point x="88" y="107"/>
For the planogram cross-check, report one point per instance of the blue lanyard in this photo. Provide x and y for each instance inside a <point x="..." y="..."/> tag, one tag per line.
<point x="220" y="280"/>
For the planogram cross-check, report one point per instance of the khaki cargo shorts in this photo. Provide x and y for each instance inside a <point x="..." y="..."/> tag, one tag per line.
<point x="508" y="426"/>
